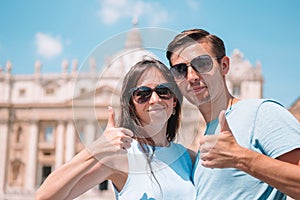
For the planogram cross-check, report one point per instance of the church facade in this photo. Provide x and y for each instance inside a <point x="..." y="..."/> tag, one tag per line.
<point x="45" y="119"/>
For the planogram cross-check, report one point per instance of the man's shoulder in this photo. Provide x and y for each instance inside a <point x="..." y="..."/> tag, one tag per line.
<point x="258" y="102"/>
<point x="250" y="107"/>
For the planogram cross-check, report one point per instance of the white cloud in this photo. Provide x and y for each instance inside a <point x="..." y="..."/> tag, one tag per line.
<point x="113" y="10"/>
<point x="47" y="45"/>
<point x="193" y="4"/>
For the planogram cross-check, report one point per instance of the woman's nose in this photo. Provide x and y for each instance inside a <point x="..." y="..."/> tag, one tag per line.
<point x="154" y="98"/>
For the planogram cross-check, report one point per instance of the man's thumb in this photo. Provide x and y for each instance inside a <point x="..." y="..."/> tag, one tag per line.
<point x="223" y="122"/>
<point x="111" y="117"/>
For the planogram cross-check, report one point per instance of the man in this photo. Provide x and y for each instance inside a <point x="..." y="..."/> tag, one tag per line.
<point x="257" y="144"/>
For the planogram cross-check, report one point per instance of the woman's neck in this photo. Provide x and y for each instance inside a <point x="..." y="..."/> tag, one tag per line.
<point x="158" y="134"/>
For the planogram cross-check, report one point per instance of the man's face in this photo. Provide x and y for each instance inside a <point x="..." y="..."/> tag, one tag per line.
<point x="198" y="88"/>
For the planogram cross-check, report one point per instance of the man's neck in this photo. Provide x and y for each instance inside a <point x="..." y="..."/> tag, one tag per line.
<point x="212" y="109"/>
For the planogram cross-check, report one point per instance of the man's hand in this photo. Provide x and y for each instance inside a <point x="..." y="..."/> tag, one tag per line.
<point x="220" y="150"/>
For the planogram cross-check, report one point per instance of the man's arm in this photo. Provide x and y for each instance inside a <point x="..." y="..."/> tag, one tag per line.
<point x="222" y="151"/>
<point x="285" y="176"/>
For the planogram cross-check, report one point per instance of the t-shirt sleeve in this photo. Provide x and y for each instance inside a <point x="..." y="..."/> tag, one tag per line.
<point x="276" y="130"/>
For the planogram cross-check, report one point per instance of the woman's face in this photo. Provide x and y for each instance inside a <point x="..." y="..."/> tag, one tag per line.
<point x="156" y="110"/>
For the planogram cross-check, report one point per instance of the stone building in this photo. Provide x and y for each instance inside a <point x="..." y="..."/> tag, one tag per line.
<point x="45" y="119"/>
<point x="295" y="109"/>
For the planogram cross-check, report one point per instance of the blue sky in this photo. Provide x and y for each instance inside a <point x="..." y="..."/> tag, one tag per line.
<point x="50" y="31"/>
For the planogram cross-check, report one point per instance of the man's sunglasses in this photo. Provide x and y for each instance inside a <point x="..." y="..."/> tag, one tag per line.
<point x="143" y="94"/>
<point x="201" y="64"/>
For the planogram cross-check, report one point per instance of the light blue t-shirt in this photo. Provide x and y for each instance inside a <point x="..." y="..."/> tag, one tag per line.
<point x="172" y="169"/>
<point x="263" y="126"/>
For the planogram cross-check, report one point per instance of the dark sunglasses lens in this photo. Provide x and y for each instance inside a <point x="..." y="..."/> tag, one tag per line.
<point x="202" y="63"/>
<point x="142" y="94"/>
<point x="164" y="92"/>
<point x="179" y="71"/>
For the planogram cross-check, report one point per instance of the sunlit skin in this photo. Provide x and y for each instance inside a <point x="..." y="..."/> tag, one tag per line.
<point x="206" y="89"/>
<point x="209" y="92"/>
<point x="106" y="158"/>
<point x="154" y="113"/>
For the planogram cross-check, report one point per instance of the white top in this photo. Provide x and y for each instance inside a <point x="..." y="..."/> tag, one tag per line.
<point x="172" y="167"/>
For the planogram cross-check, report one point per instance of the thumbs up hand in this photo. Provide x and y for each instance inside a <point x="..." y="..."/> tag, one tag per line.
<point x="113" y="142"/>
<point x="220" y="150"/>
<point x="111" y="118"/>
<point x="223" y="122"/>
<point x="120" y="137"/>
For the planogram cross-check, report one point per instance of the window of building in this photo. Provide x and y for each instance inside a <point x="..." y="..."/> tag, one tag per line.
<point x="236" y="90"/>
<point x="103" y="185"/>
<point x="82" y="90"/>
<point x="47" y="153"/>
<point x="49" y="91"/>
<point x="19" y="135"/>
<point x="49" y="134"/>
<point x="46" y="170"/>
<point x="22" y="92"/>
<point x="16" y="171"/>
<point x="50" y="87"/>
<point x="16" y="167"/>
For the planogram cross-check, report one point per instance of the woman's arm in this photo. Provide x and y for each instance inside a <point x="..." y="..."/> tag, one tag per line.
<point x="91" y="166"/>
<point x="60" y="182"/>
<point x="95" y="176"/>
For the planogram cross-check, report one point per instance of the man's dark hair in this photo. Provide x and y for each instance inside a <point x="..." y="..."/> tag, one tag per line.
<point x="187" y="37"/>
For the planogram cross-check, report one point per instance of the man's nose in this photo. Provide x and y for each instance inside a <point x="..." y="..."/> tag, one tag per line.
<point x="154" y="98"/>
<point x="192" y="75"/>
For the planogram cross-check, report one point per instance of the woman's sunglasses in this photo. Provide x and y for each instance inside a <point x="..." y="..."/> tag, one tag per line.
<point x="143" y="94"/>
<point x="201" y="64"/>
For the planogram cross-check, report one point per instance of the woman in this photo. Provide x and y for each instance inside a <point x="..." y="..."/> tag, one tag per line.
<point x="138" y="156"/>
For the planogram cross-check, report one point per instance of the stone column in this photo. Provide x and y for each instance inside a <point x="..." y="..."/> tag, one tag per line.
<point x="70" y="141"/>
<point x="31" y="167"/>
<point x="3" y="154"/>
<point x="59" y="146"/>
<point x="89" y="133"/>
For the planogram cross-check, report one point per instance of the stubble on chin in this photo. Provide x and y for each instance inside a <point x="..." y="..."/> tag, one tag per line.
<point x="197" y="100"/>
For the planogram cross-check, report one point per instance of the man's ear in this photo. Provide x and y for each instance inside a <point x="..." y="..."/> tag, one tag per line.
<point x="225" y="62"/>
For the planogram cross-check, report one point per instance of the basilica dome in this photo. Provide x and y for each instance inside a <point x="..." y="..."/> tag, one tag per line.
<point x="118" y="65"/>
